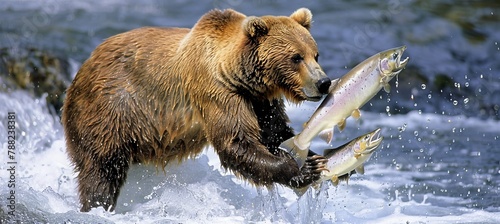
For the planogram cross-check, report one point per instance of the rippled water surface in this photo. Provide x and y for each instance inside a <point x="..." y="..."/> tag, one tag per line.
<point x="440" y="158"/>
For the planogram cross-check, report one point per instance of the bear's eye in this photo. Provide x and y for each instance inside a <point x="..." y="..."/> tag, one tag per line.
<point x="296" y="58"/>
<point x="316" y="57"/>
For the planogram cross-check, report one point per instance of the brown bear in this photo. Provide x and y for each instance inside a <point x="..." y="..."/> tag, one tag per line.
<point x="156" y="95"/>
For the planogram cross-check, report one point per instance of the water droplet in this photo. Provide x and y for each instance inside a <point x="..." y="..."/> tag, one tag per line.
<point x="466" y="100"/>
<point x="455" y="102"/>
<point x="403" y="128"/>
<point x="466" y="84"/>
<point x="429" y="96"/>
<point x="457" y="85"/>
<point x="387" y="109"/>
<point x="423" y="86"/>
<point x="415" y="133"/>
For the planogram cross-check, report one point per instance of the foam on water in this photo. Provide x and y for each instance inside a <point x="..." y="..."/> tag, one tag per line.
<point x="200" y="191"/>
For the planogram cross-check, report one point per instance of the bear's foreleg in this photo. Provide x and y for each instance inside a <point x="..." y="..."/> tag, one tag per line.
<point x="252" y="161"/>
<point x="273" y="123"/>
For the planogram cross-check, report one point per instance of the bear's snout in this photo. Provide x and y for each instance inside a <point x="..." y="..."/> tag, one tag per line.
<point x="323" y="85"/>
<point x="317" y="83"/>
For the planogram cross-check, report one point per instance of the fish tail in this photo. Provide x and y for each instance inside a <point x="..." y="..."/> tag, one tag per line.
<point x="298" y="154"/>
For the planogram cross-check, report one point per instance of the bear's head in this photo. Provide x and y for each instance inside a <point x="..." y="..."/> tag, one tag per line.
<point x="284" y="57"/>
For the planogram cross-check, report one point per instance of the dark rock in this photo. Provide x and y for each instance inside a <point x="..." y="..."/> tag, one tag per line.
<point x="35" y="71"/>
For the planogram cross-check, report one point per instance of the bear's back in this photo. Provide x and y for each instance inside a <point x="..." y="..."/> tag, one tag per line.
<point x="125" y="88"/>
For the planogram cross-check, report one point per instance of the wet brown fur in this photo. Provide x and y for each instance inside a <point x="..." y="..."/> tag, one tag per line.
<point x="162" y="94"/>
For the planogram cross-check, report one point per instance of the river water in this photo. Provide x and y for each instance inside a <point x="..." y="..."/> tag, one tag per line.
<point x="439" y="161"/>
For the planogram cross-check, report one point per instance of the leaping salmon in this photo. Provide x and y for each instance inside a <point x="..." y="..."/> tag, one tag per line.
<point x="350" y="156"/>
<point x="346" y="158"/>
<point x="346" y="96"/>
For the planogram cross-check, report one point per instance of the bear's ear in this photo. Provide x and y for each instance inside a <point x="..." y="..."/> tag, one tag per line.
<point x="303" y="16"/>
<point x="254" y="27"/>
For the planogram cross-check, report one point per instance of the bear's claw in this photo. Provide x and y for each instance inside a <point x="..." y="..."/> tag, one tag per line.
<point x="310" y="172"/>
<point x="316" y="164"/>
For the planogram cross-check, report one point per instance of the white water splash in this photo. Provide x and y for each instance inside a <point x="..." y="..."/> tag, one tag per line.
<point x="199" y="191"/>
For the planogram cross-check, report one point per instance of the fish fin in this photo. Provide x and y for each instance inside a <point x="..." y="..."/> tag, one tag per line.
<point x="357" y="155"/>
<point x="300" y="191"/>
<point x="335" y="180"/>
<point x="360" y="169"/>
<point x="387" y="88"/>
<point x="341" y="125"/>
<point x="356" y="113"/>
<point x="327" y="135"/>
<point x="298" y="154"/>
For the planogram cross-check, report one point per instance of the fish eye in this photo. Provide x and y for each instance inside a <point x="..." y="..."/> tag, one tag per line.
<point x="367" y="137"/>
<point x="395" y="56"/>
<point x="316" y="57"/>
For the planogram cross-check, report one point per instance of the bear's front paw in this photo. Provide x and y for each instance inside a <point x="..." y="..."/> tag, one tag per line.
<point x="310" y="172"/>
<point x="313" y="167"/>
